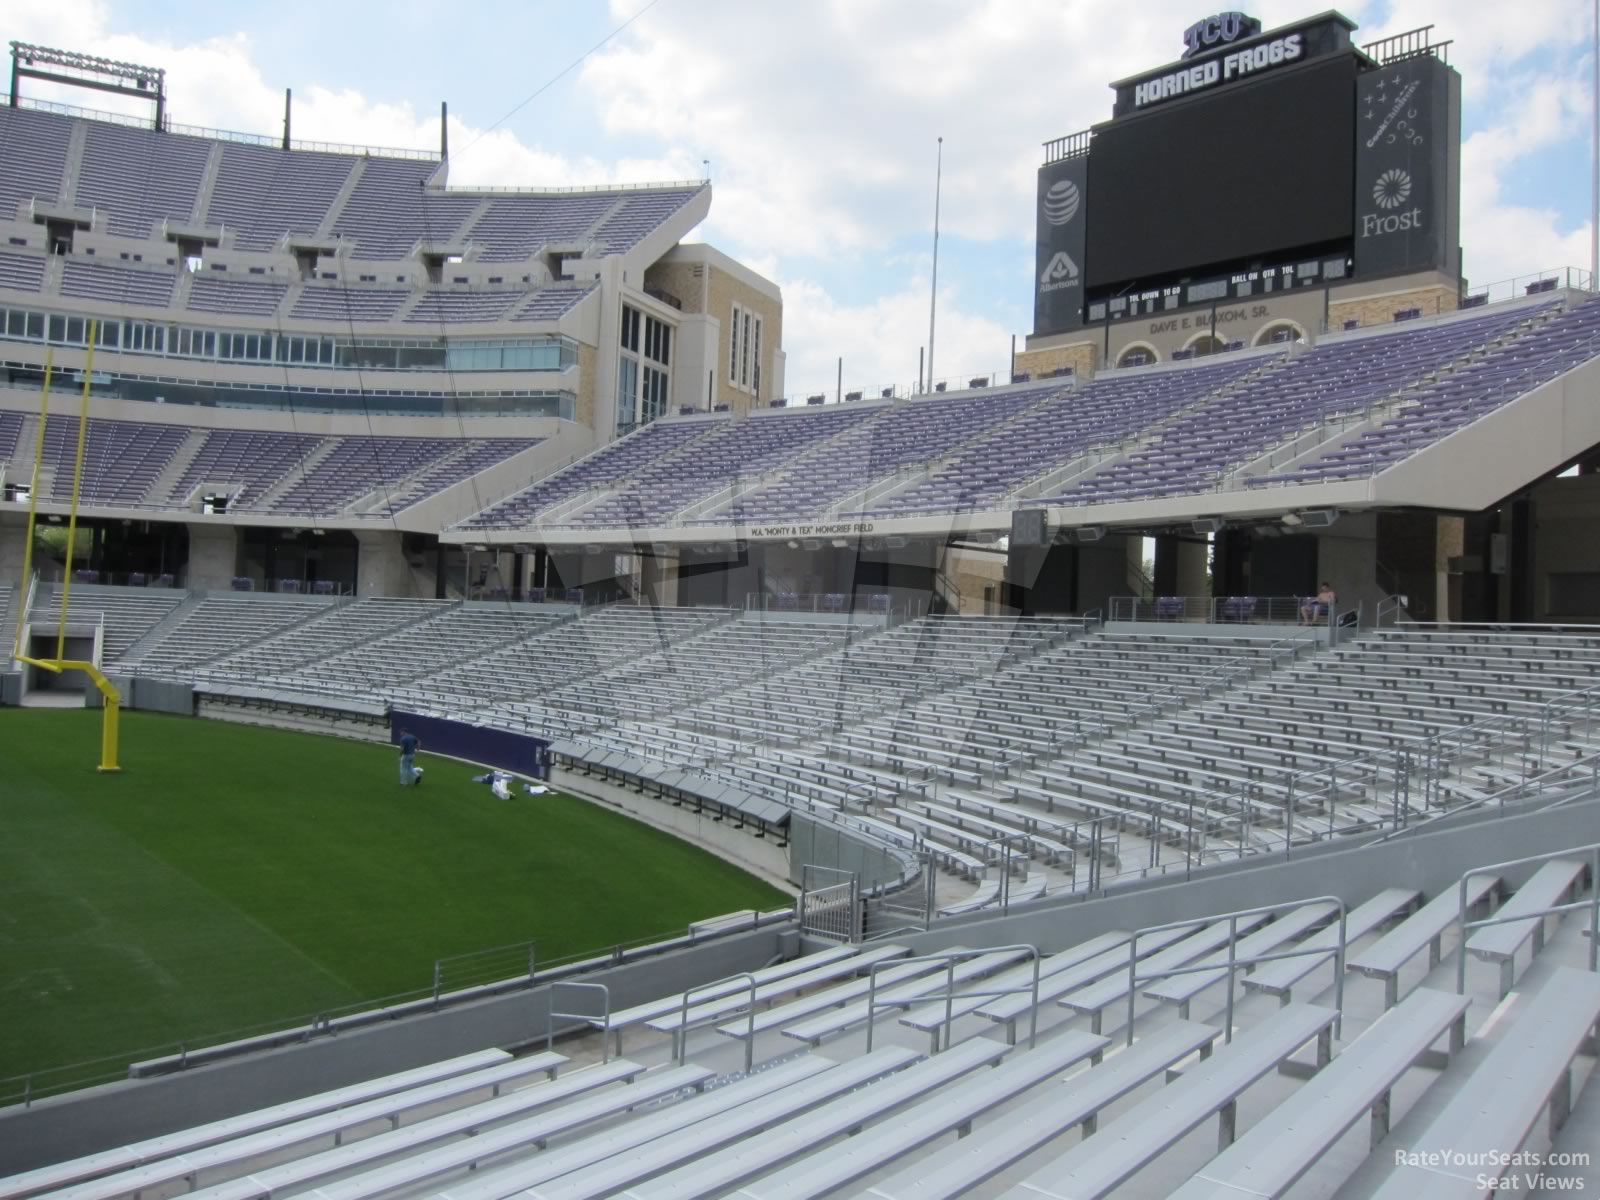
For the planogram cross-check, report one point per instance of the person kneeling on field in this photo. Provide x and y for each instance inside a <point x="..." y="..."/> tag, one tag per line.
<point x="410" y="773"/>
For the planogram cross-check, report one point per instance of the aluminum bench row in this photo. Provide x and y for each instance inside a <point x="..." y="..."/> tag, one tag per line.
<point x="194" y="1165"/>
<point x="1287" y="1142"/>
<point x="1528" y="1071"/>
<point x="1098" y="1165"/>
<point x="92" y="1166"/>
<point x="463" y="1139"/>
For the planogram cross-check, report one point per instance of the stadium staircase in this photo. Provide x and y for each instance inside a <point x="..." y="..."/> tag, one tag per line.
<point x="1119" y="452"/>
<point x="162" y="486"/>
<point x="882" y="488"/>
<point x="161" y="629"/>
<point x="291" y="478"/>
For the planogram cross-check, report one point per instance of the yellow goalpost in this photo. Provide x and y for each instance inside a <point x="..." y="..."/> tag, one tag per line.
<point x="59" y="663"/>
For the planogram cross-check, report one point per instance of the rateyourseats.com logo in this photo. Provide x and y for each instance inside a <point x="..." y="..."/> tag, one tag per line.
<point x="1061" y="202"/>
<point x="1059" y="272"/>
<point x="1392" y="189"/>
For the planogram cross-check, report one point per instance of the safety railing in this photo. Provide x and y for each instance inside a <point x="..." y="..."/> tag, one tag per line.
<point x="949" y="995"/>
<point x="1234" y="961"/>
<point x="477" y="967"/>
<point x="1556" y="278"/>
<point x="1220" y="610"/>
<point x="824" y="603"/>
<point x="1591" y="905"/>
<point x="832" y="910"/>
<point x="680" y="1032"/>
<point x="604" y="1018"/>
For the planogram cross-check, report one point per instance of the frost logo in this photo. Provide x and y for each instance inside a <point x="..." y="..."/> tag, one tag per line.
<point x="1392" y="189"/>
<point x="1061" y="272"/>
<point x="1061" y="202"/>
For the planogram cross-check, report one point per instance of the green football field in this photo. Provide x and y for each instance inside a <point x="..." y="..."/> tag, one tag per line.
<point x="232" y="876"/>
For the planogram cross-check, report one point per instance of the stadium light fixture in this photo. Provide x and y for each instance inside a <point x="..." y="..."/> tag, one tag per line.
<point x="1290" y="519"/>
<point x="1205" y="525"/>
<point x="839" y="543"/>
<point x="1091" y="533"/>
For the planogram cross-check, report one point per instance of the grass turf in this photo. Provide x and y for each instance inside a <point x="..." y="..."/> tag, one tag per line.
<point x="233" y="876"/>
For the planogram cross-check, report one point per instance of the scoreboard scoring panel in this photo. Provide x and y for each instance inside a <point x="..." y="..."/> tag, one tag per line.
<point x="1243" y="170"/>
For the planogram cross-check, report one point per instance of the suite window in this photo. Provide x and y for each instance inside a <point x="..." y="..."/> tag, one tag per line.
<point x="744" y="350"/>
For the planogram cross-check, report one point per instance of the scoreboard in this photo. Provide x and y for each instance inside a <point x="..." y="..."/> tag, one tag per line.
<point x="1261" y="161"/>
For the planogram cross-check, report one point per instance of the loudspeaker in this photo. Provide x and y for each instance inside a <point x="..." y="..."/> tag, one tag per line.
<point x="1029" y="527"/>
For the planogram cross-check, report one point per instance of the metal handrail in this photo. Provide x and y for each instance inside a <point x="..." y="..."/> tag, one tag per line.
<point x="680" y="1035"/>
<point x="1592" y="904"/>
<point x="605" y="1015"/>
<point x="1234" y="962"/>
<point x="950" y="958"/>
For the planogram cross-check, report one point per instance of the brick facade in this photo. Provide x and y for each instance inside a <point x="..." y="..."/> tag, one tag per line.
<point x="1082" y="357"/>
<point x="1380" y="310"/>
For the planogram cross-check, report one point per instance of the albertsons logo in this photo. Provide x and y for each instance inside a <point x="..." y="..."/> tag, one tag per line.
<point x="1060" y="272"/>
<point x="1061" y="202"/>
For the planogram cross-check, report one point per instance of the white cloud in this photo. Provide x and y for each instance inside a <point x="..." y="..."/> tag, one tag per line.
<point x="879" y="339"/>
<point x="820" y="122"/>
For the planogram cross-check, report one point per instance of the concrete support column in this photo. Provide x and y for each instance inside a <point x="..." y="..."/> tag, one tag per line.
<point x="13" y="547"/>
<point x="381" y="567"/>
<point x="659" y="578"/>
<point x="213" y="557"/>
<point x="1417" y="548"/>
<point x="1042" y="579"/>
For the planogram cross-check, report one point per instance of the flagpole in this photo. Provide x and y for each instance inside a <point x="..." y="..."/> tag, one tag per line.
<point x="933" y="300"/>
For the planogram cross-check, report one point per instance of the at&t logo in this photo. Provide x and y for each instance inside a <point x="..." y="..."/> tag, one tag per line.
<point x="1061" y="202"/>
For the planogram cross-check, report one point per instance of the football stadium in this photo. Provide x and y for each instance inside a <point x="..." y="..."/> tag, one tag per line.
<point x="469" y="732"/>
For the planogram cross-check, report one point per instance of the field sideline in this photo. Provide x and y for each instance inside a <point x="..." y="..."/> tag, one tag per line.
<point x="232" y="876"/>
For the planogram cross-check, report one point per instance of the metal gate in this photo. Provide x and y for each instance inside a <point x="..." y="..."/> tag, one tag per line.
<point x="830" y="903"/>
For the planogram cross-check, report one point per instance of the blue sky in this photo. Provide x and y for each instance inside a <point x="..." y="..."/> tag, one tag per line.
<point x="820" y="119"/>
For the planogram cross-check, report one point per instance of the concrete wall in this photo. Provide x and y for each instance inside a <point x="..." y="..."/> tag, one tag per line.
<point x="760" y="856"/>
<point x="1566" y="515"/>
<point x="819" y="844"/>
<point x="114" y="1114"/>
<point x="213" y="557"/>
<point x="1103" y="570"/>
<point x="1347" y="557"/>
<point x="1352" y="873"/>
<point x="382" y="569"/>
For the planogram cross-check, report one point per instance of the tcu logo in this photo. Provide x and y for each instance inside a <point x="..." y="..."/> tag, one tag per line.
<point x="1218" y="31"/>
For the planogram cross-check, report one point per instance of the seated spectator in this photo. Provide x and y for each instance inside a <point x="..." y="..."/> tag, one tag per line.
<point x="1316" y="608"/>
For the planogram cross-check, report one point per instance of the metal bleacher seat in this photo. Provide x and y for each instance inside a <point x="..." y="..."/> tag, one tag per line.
<point x="954" y="1170"/>
<point x="736" y="1157"/>
<point x="1499" y="943"/>
<point x="681" y="1131"/>
<point x="467" y="1135"/>
<point x="78" y="1170"/>
<point x="194" y="1164"/>
<point x="1288" y="1140"/>
<point x="869" y="1149"/>
<point x="1097" y="1166"/>
<point x="1527" y="1072"/>
<point x="1426" y="927"/>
